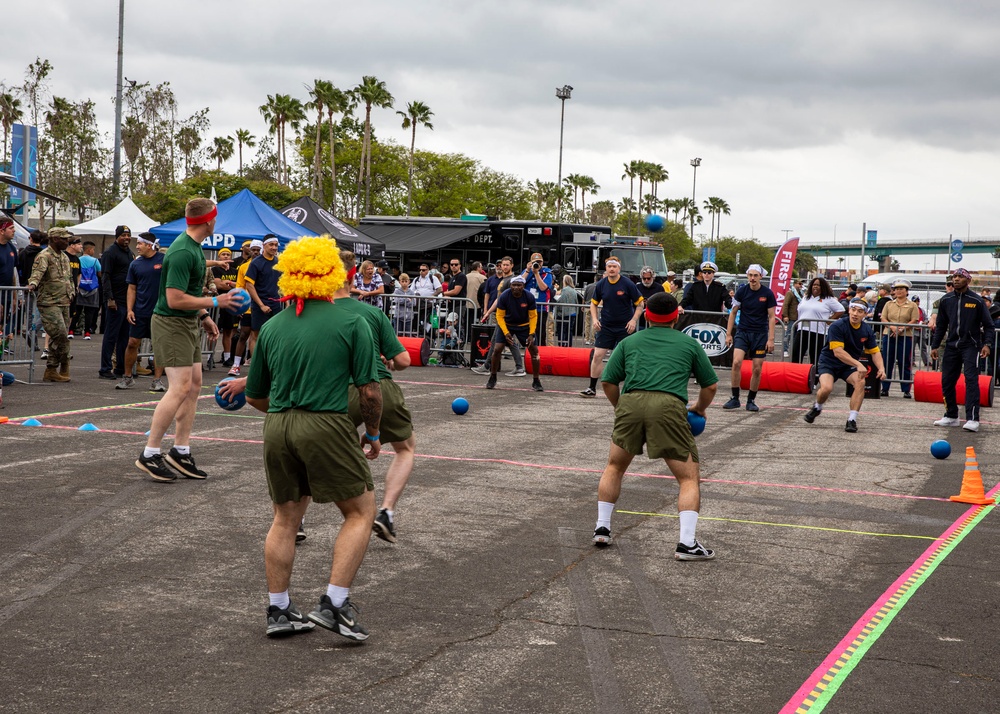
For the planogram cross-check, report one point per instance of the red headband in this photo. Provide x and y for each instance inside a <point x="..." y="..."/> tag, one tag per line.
<point x="351" y="273"/>
<point x="196" y="220"/>
<point x="662" y="319"/>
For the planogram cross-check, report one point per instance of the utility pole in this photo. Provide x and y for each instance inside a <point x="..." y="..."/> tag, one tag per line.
<point x="563" y="94"/>
<point x="117" y="177"/>
<point x="695" y="163"/>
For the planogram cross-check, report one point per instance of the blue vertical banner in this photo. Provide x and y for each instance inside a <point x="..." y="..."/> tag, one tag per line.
<point x="871" y="239"/>
<point x="708" y="254"/>
<point x="24" y="162"/>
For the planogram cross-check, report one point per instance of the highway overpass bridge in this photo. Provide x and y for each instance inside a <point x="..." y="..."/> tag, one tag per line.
<point x="897" y="247"/>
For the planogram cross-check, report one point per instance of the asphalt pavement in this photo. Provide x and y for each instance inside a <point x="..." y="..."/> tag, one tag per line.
<point x="836" y="552"/>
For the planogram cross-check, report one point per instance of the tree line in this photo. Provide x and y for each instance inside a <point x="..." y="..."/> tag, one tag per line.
<point x="327" y="145"/>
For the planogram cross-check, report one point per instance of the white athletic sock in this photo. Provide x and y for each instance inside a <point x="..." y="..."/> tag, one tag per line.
<point x="182" y="450"/>
<point x="337" y="594"/>
<point x="280" y="599"/>
<point x="225" y="355"/>
<point x="388" y="512"/>
<point x="817" y="405"/>
<point x="604" y="511"/>
<point x="689" y="522"/>
<point x="149" y="452"/>
<point x="236" y="361"/>
<point x="853" y="416"/>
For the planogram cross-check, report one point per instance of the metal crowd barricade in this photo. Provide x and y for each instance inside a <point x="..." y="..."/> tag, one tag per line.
<point x="22" y="328"/>
<point x="445" y="321"/>
<point x="207" y="350"/>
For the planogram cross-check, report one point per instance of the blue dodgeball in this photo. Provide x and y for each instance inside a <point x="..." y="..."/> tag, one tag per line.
<point x="696" y="422"/>
<point x="940" y="449"/>
<point x="244" y="301"/>
<point x="239" y="401"/>
<point x="7" y="379"/>
<point x="460" y="405"/>
<point x="655" y="223"/>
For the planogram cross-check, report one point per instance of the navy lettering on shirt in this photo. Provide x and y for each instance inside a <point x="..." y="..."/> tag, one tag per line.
<point x="753" y="306"/>
<point x="516" y="310"/>
<point x="619" y="298"/>
<point x="265" y="278"/>
<point x="856" y="341"/>
<point x="144" y="273"/>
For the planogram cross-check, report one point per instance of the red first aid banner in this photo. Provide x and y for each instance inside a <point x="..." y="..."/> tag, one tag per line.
<point x="781" y="272"/>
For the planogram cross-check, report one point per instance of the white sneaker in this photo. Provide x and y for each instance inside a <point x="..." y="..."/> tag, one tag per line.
<point x="971" y="425"/>
<point x="517" y="373"/>
<point x="481" y="369"/>
<point x="948" y="421"/>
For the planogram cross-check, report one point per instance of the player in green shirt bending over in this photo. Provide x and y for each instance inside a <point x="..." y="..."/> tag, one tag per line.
<point x="655" y="365"/>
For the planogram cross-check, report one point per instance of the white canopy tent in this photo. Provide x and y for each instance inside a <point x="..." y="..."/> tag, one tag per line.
<point x="125" y="213"/>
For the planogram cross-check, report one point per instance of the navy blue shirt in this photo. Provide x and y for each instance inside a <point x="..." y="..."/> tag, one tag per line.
<point x="753" y="306"/>
<point x="619" y="298"/>
<point x="264" y="278"/>
<point x="144" y="273"/>
<point x="8" y="264"/>
<point x="517" y="311"/>
<point x="856" y="341"/>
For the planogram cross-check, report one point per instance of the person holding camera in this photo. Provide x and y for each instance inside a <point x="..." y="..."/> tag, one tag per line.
<point x="539" y="284"/>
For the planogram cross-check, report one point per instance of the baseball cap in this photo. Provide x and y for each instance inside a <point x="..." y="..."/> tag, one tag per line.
<point x="60" y="233"/>
<point x="382" y="264"/>
<point x="121" y="230"/>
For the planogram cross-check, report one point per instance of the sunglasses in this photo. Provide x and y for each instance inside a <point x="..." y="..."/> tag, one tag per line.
<point x="709" y="272"/>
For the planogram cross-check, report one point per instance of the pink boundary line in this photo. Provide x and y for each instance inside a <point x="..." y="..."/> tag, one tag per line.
<point x="797" y="699"/>
<point x="555" y="467"/>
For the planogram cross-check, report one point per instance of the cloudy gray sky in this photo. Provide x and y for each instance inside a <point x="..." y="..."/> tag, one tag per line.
<point x="809" y="117"/>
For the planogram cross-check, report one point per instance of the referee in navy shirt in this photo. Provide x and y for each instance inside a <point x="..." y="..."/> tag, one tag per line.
<point x="755" y="305"/>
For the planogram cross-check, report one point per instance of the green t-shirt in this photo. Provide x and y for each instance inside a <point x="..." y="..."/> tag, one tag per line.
<point x="659" y="359"/>
<point x="183" y="269"/>
<point x="386" y="342"/>
<point x="306" y="361"/>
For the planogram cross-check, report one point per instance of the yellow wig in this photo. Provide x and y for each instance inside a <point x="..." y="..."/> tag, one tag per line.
<point x="311" y="269"/>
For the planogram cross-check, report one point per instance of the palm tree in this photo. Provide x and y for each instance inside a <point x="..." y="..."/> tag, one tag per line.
<point x="373" y="92"/>
<point x="587" y="183"/>
<point x="649" y="203"/>
<point x="572" y="182"/>
<point x="657" y="174"/>
<point x="188" y="142"/>
<point x="643" y="173"/>
<point x="416" y="113"/>
<point x="222" y="150"/>
<point x="336" y="101"/>
<point x="319" y="91"/>
<point x="721" y="208"/>
<point x="294" y="113"/>
<point x="269" y="111"/>
<point x="631" y="171"/>
<point x="244" y="138"/>
<point x="280" y="111"/>
<point x="10" y="114"/>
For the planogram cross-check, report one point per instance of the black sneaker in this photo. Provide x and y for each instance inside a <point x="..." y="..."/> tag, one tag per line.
<point x="383" y="527"/>
<point x="733" y="403"/>
<point x="537" y="386"/>
<point x="693" y="552"/>
<point x="301" y="534"/>
<point x="109" y="375"/>
<point x="184" y="463"/>
<point x="491" y="382"/>
<point x="602" y="537"/>
<point x="228" y="362"/>
<point x="156" y="467"/>
<point x="752" y="406"/>
<point x="810" y="416"/>
<point x="343" y="620"/>
<point x="907" y="395"/>
<point x="588" y="393"/>
<point x="851" y="427"/>
<point x="286" y="622"/>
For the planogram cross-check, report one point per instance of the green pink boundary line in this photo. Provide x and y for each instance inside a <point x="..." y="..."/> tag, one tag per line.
<point x="816" y="692"/>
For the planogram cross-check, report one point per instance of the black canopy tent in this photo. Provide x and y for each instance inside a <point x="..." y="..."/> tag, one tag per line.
<point x="418" y="237"/>
<point x="306" y="212"/>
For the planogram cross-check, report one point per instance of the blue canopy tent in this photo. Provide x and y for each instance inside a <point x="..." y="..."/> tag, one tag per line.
<point x="241" y="217"/>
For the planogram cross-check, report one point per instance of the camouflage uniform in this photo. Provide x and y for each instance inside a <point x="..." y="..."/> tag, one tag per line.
<point x="52" y="278"/>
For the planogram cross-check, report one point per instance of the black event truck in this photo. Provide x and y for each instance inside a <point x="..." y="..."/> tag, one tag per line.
<point x="580" y="249"/>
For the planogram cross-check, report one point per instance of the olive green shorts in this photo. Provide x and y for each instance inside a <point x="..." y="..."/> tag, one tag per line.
<point x="314" y="454"/>
<point x="176" y="341"/>
<point x="656" y="419"/>
<point x="397" y="424"/>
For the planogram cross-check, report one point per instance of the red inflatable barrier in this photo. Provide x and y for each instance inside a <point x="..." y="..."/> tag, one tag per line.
<point x="780" y="377"/>
<point x="563" y="361"/>
<point x="927" y="388"/>
<point x="419" y="349"/>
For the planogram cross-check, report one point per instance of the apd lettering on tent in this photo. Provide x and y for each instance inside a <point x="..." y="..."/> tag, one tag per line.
<point x="219" y="240"/>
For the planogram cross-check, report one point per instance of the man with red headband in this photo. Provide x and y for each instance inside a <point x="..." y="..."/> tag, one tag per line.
<point x="653" y="411"/>
<point x="179" y="309"/>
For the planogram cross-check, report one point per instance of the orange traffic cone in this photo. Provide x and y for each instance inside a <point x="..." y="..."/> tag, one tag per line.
<point x="972" y="482"/>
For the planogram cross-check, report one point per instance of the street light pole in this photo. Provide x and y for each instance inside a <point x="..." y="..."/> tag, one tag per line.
<point x="117" y="170"/>
<point x="563" y="94"/>
<point x="695" y="163"/>
<point x="786" y="231"/>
